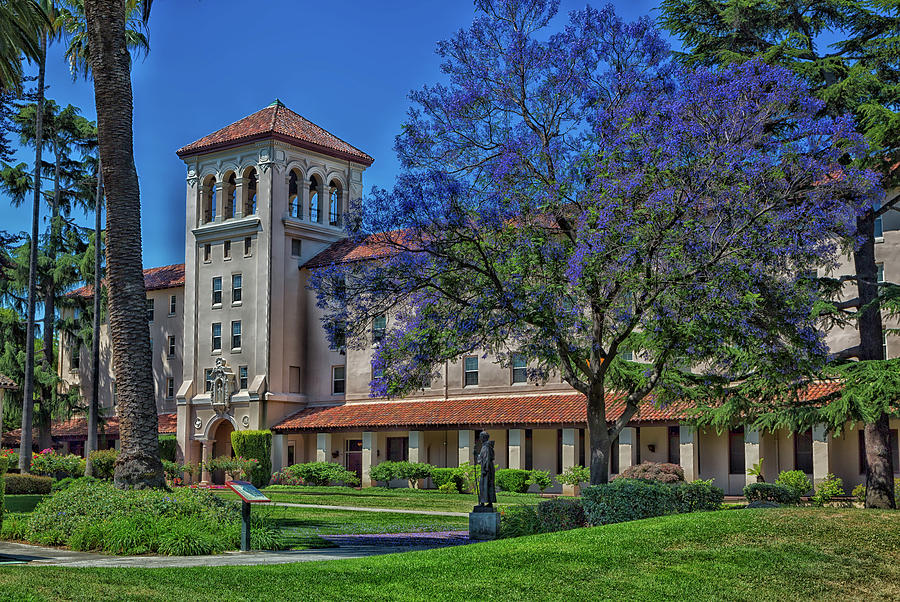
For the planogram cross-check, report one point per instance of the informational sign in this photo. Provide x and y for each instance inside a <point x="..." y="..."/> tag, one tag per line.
<point x="247" y="491"/>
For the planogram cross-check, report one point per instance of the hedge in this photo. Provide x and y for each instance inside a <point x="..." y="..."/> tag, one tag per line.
<point x="258" y="445"/>
<point x="699" y="495"/>
<point x="17" y="484"/>
<point x="4" y="464"/>
<point x="664" y="472"/>
<point x="103" y="462"/>
<point x="628" y="499"/>
<point x="512" y="479"/>
<point x="442" y="476"/>
<point x="322" y="473"/>
<point x="770" y="492"/>
<point x="168" y="444"/>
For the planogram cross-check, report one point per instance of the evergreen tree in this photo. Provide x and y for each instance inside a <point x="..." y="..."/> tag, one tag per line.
<point x="857" y="74"/>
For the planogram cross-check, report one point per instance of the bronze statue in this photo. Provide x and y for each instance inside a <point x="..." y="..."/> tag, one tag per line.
<point x="487" y="495"/>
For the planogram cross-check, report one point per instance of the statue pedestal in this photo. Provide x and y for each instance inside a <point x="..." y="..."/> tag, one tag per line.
<point x="484" y="524"/>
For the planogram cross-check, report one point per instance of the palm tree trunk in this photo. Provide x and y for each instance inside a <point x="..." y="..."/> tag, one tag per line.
<point x="94" y="409"/>
<point x="28" y="385"/>
<point x="879" y="469"/>
<point x="138" y="464"/>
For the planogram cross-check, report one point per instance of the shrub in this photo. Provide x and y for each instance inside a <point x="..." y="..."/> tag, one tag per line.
<point x="574" y="476"/>
<point x="104" y="463"/>
<point x="770" y="492"/>
<point x="448" y="480"/>
<point x="17" y="484"/>
<point x="512" y="479"/>
<point x="12" y="457"/>
<point x="698" y="495"/>
<point x="560" y="515"/>
<point x="628" y="499"/>
<point x="168" y="445"/>
<point x="97" y="516"/>
<point x="68" y="481"/>
<point x="258" y="445"/>
<point x="796" y="481"/>
<point x="14" y="527"/>
<point x="48" y="462"/>
<point x="664" y="472"/>
<point x="517" y="521"/>
<point x="830" y="488"/>
<point x="283" y="477"/>
<point x="322" y="473"/>
<point x="468" y="473"/>
<point x="413" y="472"/>
<point x="541" y="478"/>
<point x="859" y="493"/>
<point x="384" y="472"/>
<point x="4" y="464"/>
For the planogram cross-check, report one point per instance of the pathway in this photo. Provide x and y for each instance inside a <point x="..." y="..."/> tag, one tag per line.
<point x="363" y="509"/>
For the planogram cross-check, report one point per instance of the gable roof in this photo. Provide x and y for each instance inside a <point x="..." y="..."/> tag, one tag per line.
<point x="155" y="279"/>
<point x="7" y="383"/>
<point x="75" y="429"/>
<point x="348" y="250"/>
<point x="278" y="122"/>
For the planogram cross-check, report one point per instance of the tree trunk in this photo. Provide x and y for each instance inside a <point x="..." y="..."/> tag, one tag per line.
<point x="599" y="436"/>
<point x="138" y="464"/>
<point x="28" y="385"/>
<point x="879" y="472"/>
<point x="94" y="409"/>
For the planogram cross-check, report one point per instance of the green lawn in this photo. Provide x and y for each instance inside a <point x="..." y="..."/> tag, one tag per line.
<point x="21" y="503"/>
<point x="783" y="554"/>
<point x="380" y="497"/>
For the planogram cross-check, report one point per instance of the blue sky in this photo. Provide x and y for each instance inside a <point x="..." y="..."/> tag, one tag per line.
<point x="346" y="65"/>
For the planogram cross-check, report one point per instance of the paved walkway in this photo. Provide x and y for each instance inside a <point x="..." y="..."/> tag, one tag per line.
<point x="363" y="509"/>
<point x="350" y="546"/>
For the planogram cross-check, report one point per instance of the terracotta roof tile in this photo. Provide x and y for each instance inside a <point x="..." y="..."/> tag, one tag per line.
<point x="349" y="250"/>
<point x="155" y="279"/>
<point x="7" y="383"/>
<point x="279" y="122"/>
<point x="76" y="428"/>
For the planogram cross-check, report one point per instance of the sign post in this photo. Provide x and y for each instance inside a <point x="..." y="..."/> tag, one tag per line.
<point x="249" y="495"/>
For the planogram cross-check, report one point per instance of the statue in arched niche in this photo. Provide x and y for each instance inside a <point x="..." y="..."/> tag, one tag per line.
<point x="222" y="386"/>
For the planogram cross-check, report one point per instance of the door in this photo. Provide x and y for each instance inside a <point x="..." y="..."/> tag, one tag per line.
<point x="353" y="456"/>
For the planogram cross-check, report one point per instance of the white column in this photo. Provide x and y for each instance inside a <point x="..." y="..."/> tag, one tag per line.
<point x="239" y="184"/>
<point x="751" y="453"/>
<point x="323" y="447"/>
<point x="415" y="446"/>
<point x="626" y="448"/>
<point x="205" y="477"/>
<point x="219" y="201"/>
<point x="279" y="452"/>
<point x="821" y="442"/>
<point x="689" y="450"/>
<point x="466" y="447"/>
<point x="517" y="448"/>
<point x="368" y="443"/>
<point x="569" y="453"/>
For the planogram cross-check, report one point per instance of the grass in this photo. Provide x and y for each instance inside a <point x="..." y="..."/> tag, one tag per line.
<point x="381" y="497"/>
<point x="21" y="503"/>
<point x="783" y="554"/>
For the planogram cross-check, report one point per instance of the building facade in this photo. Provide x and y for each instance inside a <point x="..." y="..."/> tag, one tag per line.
<point x="265" y="203"/>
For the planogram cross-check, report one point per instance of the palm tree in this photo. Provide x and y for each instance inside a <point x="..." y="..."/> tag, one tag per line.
<point x="21" y="22"/>
<point x="138" y="464"/>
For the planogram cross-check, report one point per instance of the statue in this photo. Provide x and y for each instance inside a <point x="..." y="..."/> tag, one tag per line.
<point x="222" y="386"/>
<point x="487" y="495"/>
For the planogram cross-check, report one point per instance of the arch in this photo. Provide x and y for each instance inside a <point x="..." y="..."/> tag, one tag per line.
<point x="230" y="193"/>
<point x="212" y="425"/>
<point x="316" y="192"/>
<point x="335" y="203"/>
<point x="208" y="200"/>
<point x="295" y="194"/>
<point x="222" y="446"/>
<point x="251" y="186"/>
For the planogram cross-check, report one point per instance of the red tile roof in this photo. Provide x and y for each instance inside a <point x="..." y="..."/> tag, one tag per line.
<point x="155" y="279"/>
<point x="76" y="428"/>
<point x="349" y="250"/>
<point x="7" y="383"/>
<point x="522" y="410"/>
<point x="279" y="122"/>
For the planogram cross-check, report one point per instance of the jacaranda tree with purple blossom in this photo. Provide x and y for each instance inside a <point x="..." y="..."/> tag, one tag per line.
<point x="574" y="197"/>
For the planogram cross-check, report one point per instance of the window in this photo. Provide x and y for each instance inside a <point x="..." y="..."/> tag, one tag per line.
<point x="236" y="288"/>
<point x="880" y="273"/>
<point x="173" y="305"/>
<point x="208" y="379"/>
<point x="295" y="379"/>
<point x="519" y="369"/>
<point x="529" y="449"/>
<point x="614" y="456"/>
<point x="207" y="250"/>
<point x="227" y="249"/>
<point x="217" y="336"/>
<point x="338" y="375"/>
<point x="803" y="453"/>
<point x="290" y="461"/>
<point x="250" y="202"/>
<point x="736" y="451"/>
<point x="170" y="388"/>
<point x="236" y="334"/>
<point x="879" y="226"/>
<point x="895" y="451"/>
<point x="248" y="246"/>
<point x="217" y="290"/>
<point x="171" y="347"/>
<point x="339" y="336"/>
<point x="296" y="249"/>
<point x="559" y="451"/>
<point x="75" y="357"/>
<point x="398" y="449"/>
<point x="627" y="355"/>
<point x="334" y="206"/>
<point x="208" y="196"/>
<point x="242" y="378"/>
<point x="340" y="287"/>
<point x="674" y="445"/>
<point x="314" y="199"/>
<point x="884" y="349"/>
<point x="581" y="447"/>
<point x="230" y="189"/>
<point x="379" y="325"/>
<point x="470" y="370"/>
<point x="294" y="207"/>
<point x="149" y="310"/>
